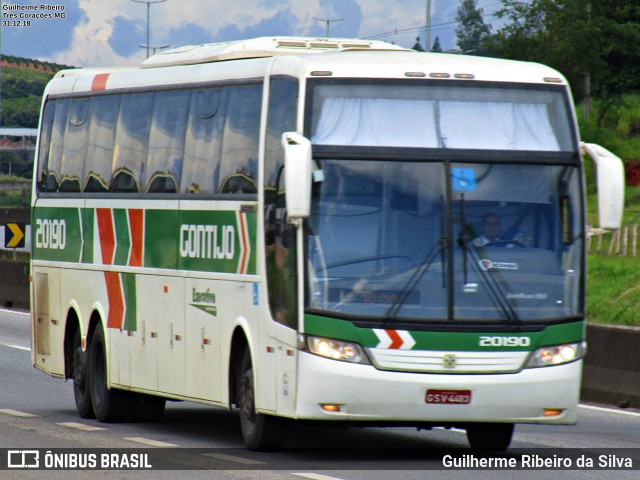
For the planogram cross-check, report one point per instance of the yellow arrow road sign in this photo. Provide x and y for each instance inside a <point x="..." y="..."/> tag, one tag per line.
<point x="14" y="235"/>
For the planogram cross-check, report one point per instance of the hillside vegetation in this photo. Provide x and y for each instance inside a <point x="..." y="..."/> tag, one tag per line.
<point x="23" y="81"/>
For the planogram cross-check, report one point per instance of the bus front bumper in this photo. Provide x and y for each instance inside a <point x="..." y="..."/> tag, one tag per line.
<point x="356" y="392"/>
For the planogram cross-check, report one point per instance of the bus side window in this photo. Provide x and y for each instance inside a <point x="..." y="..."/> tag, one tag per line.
<point x="239" y="183"/>
<point x="203" y="142"/>
<point x="102" y="131"/>
<point x="166" y="141"/>
<point x="132" y="141"/>
<point x="52" y="172"/>
<point x="124" y="181"/>
<point x="238" y="162"/>
<point x="75" y="145"/>
<point x="46" y="128"/>
<point x="162" y="183"/>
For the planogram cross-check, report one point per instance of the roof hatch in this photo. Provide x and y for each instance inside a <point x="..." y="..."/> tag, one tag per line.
<point x="259" y="47"/>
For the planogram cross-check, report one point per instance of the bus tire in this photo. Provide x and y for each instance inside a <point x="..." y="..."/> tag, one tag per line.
<point x="490" y="436"/>
<point x="109" y="404"/>
<point x="259" y="431"/>
<point x="80" y="373"/>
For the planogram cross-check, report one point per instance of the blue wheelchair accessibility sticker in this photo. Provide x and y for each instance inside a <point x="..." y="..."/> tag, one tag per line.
<point x="464" y="179"/>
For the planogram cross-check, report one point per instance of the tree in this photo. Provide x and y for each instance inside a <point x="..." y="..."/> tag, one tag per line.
<point x="436" y="46"/>
<point x="417" y="47"/>
<point x="471" y="31"/>
<point x="590" y="40"/>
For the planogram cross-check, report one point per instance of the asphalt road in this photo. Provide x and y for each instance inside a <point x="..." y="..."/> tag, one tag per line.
<point x="37" y="412"/>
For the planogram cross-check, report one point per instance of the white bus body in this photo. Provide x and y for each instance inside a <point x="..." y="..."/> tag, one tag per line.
<point x="174" y="259"/>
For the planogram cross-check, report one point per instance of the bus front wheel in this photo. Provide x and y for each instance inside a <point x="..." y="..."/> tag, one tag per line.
<point x="109" y="404"/>
<point x="490" y="436"/>
<point x="259" y="431"/>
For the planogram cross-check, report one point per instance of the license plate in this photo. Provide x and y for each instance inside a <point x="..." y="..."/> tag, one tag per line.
<point x="449" y="397"/>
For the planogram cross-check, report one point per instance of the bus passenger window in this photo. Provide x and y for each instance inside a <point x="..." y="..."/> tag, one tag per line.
<point x="239" y="183"/>
<point x="166" y="141"/>
<point x="45" y="144"/>
<point x="95" y="183"/>
<point x="203" y="142"/>
<point x="132" y="141"/>
<point x="162" y="183"/>
<point x="240" y="136"/>
<point x="103" y="119"/>
<point x="57" y="142"/>
<point x="124" y="182"/>
<point x="74" y="150"/>
<point x="69" y="184"/>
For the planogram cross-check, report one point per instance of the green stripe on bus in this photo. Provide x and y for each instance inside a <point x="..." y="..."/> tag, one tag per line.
<point x="130" y="301"/>
<point x="57" y="234"/>
<point x="161" y="239"/>
<point x="195" y="240"/>
<point x="456" y="341"/>
<point x="123" y="237"/>
<point x="88" y="219"/>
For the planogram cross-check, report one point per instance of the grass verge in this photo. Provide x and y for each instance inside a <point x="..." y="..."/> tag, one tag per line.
<point x="613" y="290"/>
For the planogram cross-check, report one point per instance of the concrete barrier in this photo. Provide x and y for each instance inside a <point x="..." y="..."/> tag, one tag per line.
<point x="14" y="284"/>
<point x="612" y="366"/>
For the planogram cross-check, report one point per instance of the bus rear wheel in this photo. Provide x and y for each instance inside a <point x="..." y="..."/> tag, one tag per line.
<point x="490" y="436"/>
<point x="109" y="404"/>
<point x="259" y="431"/>
<point x="81" y="391"/>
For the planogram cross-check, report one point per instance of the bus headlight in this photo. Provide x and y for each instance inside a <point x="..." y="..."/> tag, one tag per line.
<point x="337" y="350"/>
<point x="557" y="355"/>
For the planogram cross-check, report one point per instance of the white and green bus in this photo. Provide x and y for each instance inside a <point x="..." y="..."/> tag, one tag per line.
<point x="299" y="229"/>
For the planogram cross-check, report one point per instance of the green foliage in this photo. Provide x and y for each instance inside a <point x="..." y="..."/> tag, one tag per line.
<point x="16" y="198"/>
<point x="576" y="37"/>
<point x="18" y="164"/>
<point x="615" y="126"/>
<point x="436" y="48"/>
<point x="22" y="90"/>
<point x="472" y="30"/>
<point x="613" y="290"/>
<point x="21" y="112"/>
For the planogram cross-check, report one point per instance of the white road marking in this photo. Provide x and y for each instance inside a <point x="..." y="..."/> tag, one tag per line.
<point x="5" y="310"/>
<point x="315" y="476"/>
<point x="610" y="410"/>
<point x="81" y="426"/>
<point x="17" y="413"/>
<point x="18" y="347"/>
<point x="232" y="458"/>
<point x="148" y="441"/>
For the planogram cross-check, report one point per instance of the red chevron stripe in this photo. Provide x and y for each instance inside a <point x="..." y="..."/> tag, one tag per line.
<point x="115" y="318"/>
<point x="244" y="243"/>
<point x="136" y="227"/>
<point x="107" y="234"/>
<point x="396" y="339"/>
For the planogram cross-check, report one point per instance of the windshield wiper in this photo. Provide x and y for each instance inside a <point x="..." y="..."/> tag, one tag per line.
<point x="418" y="273"/>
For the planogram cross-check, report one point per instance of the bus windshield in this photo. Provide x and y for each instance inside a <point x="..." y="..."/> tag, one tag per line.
<point x="390" y="240"/>
<point x="441" y="114"/>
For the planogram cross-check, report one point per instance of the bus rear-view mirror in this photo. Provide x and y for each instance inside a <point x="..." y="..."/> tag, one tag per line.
<point x="297" y="176"/>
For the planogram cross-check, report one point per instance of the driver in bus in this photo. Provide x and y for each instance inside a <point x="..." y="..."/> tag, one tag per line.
<point x="491" y="230"/>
